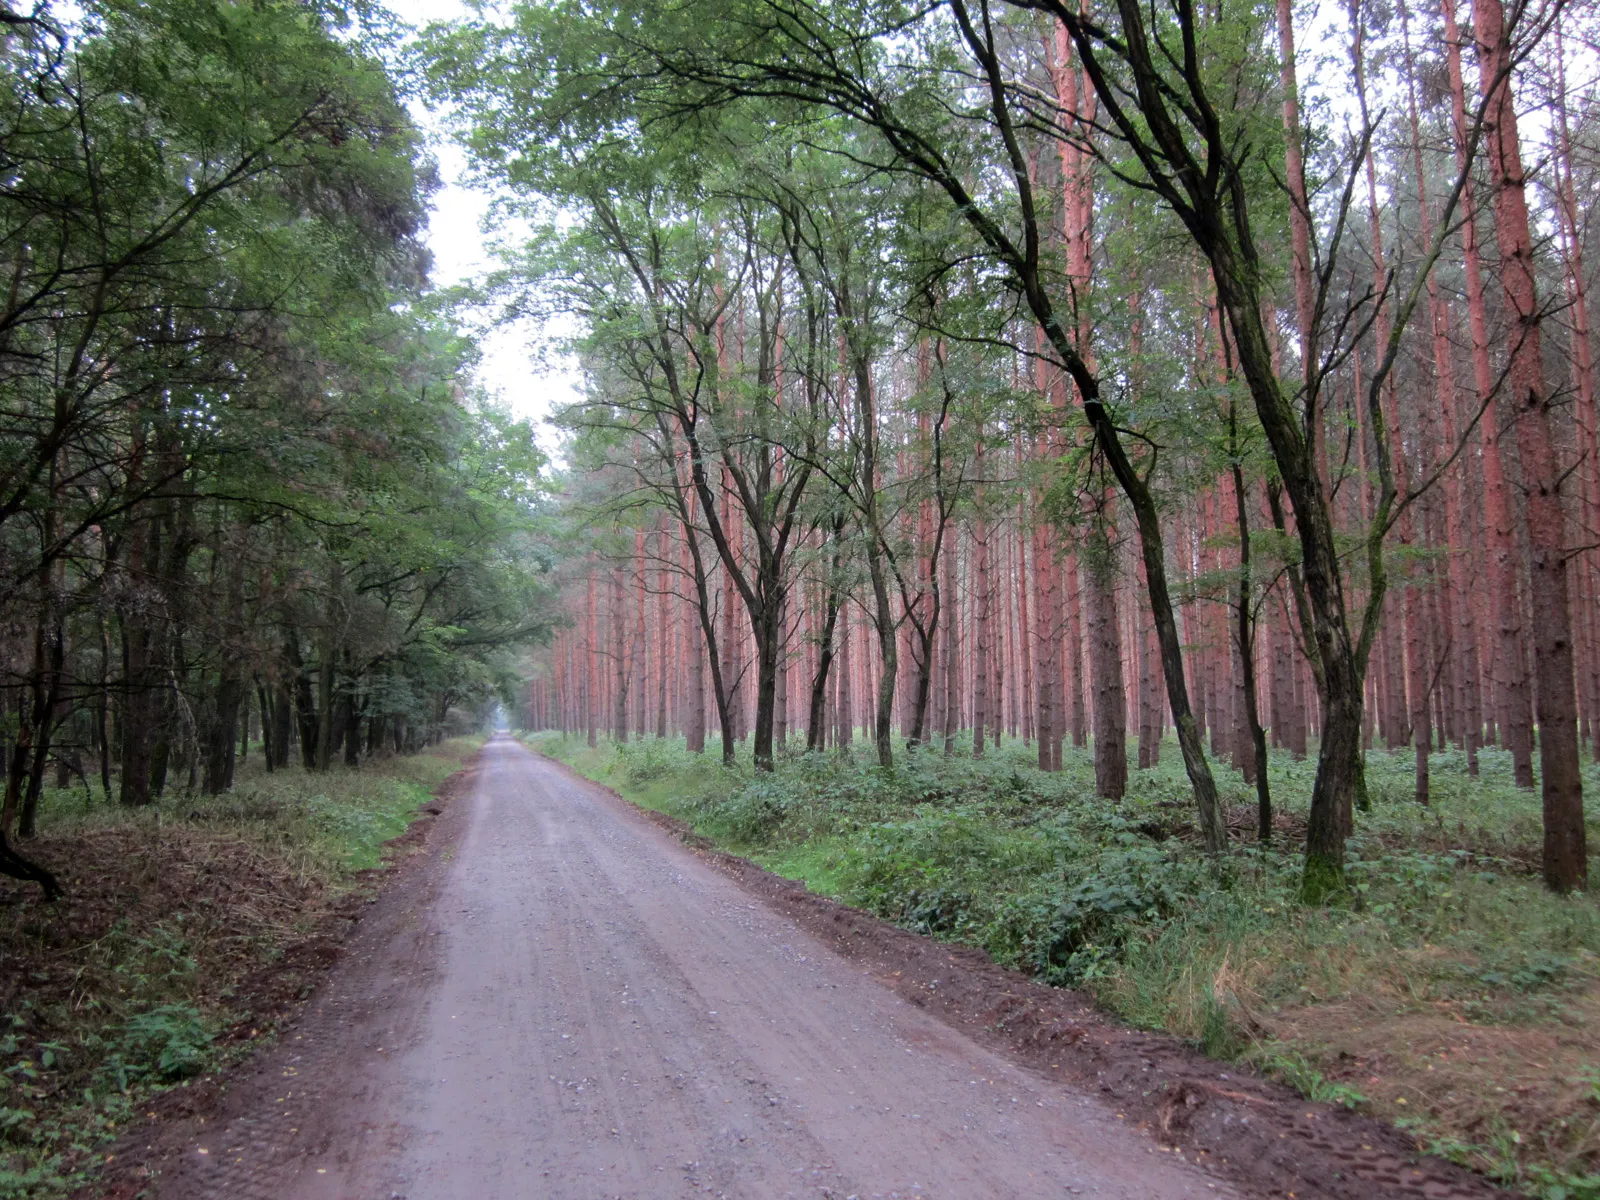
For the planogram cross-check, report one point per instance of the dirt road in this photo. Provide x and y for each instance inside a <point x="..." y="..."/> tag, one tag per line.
<point x="579" y="1007"/>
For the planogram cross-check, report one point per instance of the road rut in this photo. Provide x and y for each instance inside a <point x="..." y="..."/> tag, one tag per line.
<point x="582" y="1008"/>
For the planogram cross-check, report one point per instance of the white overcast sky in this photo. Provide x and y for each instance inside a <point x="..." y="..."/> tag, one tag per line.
<point x="509" y="370"/>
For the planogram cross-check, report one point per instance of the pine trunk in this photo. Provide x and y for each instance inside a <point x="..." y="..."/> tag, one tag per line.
<point x="1565" y="854"/>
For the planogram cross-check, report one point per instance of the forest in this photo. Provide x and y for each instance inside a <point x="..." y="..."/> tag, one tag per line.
<point x="242" y="496"/>
<point x="266" y="552"/>
<point x="984" y="372"/>
<point x="1115" y="484"/>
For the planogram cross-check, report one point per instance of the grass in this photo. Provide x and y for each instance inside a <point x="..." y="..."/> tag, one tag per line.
<point x="1454" y="996"/>
<point x="186" y="927"/>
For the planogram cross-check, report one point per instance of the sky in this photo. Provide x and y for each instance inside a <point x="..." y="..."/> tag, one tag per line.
<point x="509" y="371"/>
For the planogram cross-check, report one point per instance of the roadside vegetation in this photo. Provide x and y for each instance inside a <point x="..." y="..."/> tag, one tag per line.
<point x="1453" y="996"/>
<point x="191" y="924"/>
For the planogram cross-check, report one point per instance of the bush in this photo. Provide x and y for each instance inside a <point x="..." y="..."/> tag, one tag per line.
<point x="170" y="1042"/>
<point x="648" y="759"/>
<point x="752" y="814"/>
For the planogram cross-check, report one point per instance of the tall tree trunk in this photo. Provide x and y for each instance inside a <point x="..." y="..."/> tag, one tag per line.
<point x="245" y="721"/>
<point x="694" y="725"/>
<point x="729" y="638"/>
<point x="619" y="656"/>
<point x="980" y="622"/>
<point x="327" y="696"/>
<point x="780" y="721"/>
<point x="304" y="703"/>
<point x="1245" y="633"/>
<point x="950" y="654"/>
<point x="224" y="726"/>
<point x="1149" y="704"/>
<point x="136" y="615"/>
<point x="663" y="631"/>
<point x="50" y="652"/>
<point x="816" y="722"/>
<point x="102" y="713"/>
<point x="37" y="719"/>
<point x="706" y="602"/>
<point x="1582" y="360"/>
<point x="1565" y="855"/>
<point x="1509" y="654"/>
<point x="768" y="635"/>
<point x="591" y="674"/>
<point x="1105" y="667"/>
<point x="885" y="626"/>
<point x="221" y="742"/>
<point x="1070" y="592"/>
<point x="640" y="642"/>
<point x="269" y="746"/>
<point x="1047" y="642"/>
<point x="1109" y="437"/>
<point x="354" y="704"/>
<point x="1295" y="179"/>
<point x="1000" y="639"/>
<point x="282" y="725"/>
<point x="1025" y="697"/>
<point x="843" y="710"/>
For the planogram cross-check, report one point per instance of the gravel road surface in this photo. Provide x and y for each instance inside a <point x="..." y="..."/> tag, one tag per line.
<point x="578" y="1007"/>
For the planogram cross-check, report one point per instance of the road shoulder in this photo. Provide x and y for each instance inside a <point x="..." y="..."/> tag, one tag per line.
<point x="369" y="957"/>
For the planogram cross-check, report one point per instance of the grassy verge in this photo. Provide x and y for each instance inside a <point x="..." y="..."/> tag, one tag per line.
<point x="1455" y="998"/>
<point x="185" y="926"/>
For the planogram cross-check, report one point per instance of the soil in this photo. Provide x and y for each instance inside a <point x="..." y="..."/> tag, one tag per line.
<point x="567" y="997"/>
<point x="214" y="889"/>
<point x="1262" y="1136"/>
<point x="1476" y="1074"/>
<point x="256" y="903"/>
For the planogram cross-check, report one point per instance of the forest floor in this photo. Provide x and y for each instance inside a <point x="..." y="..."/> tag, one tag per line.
<point x="190" y="931"/>
<point x="1453" y="999"/>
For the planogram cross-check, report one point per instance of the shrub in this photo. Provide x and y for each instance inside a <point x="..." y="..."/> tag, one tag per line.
<point x="170" y="1042"/>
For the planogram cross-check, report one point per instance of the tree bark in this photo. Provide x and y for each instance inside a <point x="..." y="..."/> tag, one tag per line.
<point x="950" y="656"/>
<point x="1561" y="784"/>
<point x="619" y="658"/>
<point x="327" y="679"/>
<point x="694" y="724"/>
<point x="980" y="622"/>
<point x="1509" y="652"/>
<point x="222" y="736"/>
<point x="1582" y="360"/>
<point x="591" y="674"/>
<point x="1245" y="632"/>
<point x="816" y="723"/>
<point x="135" y="616"/>
<point x="1105" y="668"/>
<point x="304" y="703"/>
<point x="1047" y="642"/>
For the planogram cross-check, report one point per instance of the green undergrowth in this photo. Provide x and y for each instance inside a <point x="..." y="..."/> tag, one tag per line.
<point x="178" y="932"/>
<point x="1453" y="995"/>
